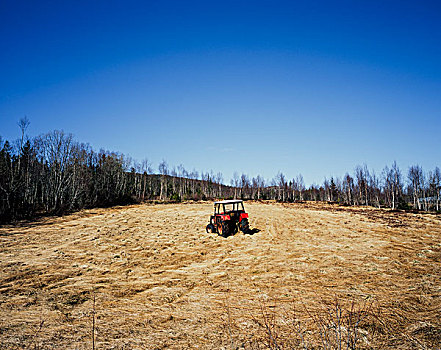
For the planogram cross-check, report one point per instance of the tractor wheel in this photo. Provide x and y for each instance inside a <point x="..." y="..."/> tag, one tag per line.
<point x="224" y="230"/>
<point x="244" y="225"/>
<point x="210" y="228"/>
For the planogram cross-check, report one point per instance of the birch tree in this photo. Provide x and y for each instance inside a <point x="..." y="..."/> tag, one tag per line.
<point x="163" y="170"/>
<point x="415" y="176"/>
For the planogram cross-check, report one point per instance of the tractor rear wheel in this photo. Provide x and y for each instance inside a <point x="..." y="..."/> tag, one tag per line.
<point x="224" y="231"/>
<point x="244" y="225"/>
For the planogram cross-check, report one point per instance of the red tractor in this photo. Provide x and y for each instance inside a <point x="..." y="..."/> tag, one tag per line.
<point x="229" y="217"/>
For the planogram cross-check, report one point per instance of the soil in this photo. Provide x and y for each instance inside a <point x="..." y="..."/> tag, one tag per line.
<point x="150" y="277"/>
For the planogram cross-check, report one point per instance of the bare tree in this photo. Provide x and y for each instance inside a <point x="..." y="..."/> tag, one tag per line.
<point x="235" y="183"/>
<point x="393" y="184"/>
<point x="174" y="178"/>
<point x="415" y="176"/>
<point x="219" y="179"/>
<point x="348" y="188"/>
<point x="194" y="175"/>
<point x="280" y="181"/>
<point x="244" y="185"/>
<point x="300" y="185"/>
<point x="146" y="169"/>
<point x="435" y="187"/>
<point x="256" y="187"/>
<point x="375" y="190"/>
<point x="260" y="182"/>
<point x="163" y="170"/>
<point x="362" y="185"/>
<point x="57" y="148"/>
<point x="23" y="123"/>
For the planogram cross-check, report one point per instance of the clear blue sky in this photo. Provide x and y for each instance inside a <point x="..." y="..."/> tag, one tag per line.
<point x="311" y="87"/>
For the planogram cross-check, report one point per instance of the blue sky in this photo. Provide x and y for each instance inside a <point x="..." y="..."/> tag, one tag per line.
<point x="249" y="86"/>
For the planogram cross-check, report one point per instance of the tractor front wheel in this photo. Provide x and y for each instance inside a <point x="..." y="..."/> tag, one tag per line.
<point x="210" y="228"/>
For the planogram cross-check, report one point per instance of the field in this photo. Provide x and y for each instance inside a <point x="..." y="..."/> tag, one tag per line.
<point x="150" y="277"/>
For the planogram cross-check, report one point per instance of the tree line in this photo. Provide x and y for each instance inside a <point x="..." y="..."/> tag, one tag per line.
<point x="54" y="174"/>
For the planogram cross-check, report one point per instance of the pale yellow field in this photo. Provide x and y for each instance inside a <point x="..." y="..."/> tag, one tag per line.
<point x="160" y="281"/>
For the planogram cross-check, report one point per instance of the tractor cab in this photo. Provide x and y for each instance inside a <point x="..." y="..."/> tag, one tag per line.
<point x="228" y="207"/>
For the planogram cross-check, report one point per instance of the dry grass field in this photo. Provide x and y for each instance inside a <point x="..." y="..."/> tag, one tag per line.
<point x="152" y="278"/>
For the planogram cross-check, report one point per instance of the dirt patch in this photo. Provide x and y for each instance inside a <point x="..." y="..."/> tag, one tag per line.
<point x="160" y="281"/>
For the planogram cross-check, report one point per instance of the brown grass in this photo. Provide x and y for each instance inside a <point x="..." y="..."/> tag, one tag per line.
<point x="159" y="281"/>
